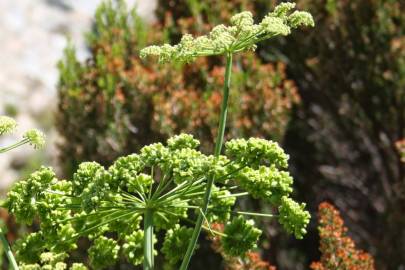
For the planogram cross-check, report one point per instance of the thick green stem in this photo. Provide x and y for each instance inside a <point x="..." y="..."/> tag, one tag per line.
<point x="218" y="147"/>
<point x="148" y="261"/>
<point x="9" y="252"/>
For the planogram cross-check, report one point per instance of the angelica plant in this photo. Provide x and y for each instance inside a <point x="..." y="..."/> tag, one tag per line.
<point x="34" y="137"/>
<point x="242" y="35"/>
<point x="161" y="188"/>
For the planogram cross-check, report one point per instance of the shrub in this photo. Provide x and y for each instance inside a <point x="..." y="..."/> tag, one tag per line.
<point x="351" y="79"/>
<point x="338" y="250"/>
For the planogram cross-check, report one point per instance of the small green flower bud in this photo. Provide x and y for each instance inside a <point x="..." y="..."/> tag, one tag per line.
<point x="35" y="137"/>
<point x="30" y="267"/>
<point x="282" y="9"/>
<point x="176" y="243"/>
<point x="29" y="248"/>
<point x="241" y="236"/>
<point x="103" y="252"/>
<point x="124" y="169"/>
<point x="7" y="125"/>
<point x="293" y="217"/>
<point x="140" y="183"/>
<point x="300" y="18"/>
<point x="133" y="247"/>
<point x="182" y="141"/>
<point x="78" y="266"/>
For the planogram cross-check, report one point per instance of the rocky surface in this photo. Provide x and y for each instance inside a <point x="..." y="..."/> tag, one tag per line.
<point x="33" y="34"/>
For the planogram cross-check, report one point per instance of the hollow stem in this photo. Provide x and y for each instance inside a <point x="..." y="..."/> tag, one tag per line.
<point x="11" y="147"/>
<point x="9" y="252"/>
<point x="217" y="152"/>
<point x="148" y="261"/>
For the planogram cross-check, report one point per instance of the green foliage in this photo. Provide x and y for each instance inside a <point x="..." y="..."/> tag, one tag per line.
<point x="241" y="236"/>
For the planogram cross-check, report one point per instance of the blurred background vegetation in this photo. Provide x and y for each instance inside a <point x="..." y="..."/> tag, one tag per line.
<point x="334" y="96"/>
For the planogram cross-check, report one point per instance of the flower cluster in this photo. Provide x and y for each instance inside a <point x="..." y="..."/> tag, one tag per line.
<point x="52" y="261"/>
<point x="176" y="242"/>
<point x="250" y="260"/>
<point x="133" y="247"/>
<point x="338" y="251"/>
<point x="7" y="124"/>
<point x="241" y="236"/>
<point x="241" y="35"/>
<point x="104" y="252"/>
<point x="293" y="217"/>
<point x="33" y="136"/>
<point x="166" y="180"/>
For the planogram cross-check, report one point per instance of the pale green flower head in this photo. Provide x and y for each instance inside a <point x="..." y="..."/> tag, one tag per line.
<point x="7" y="124"/>
<point x="242" y="34"/>
<point x="35" y="137"/>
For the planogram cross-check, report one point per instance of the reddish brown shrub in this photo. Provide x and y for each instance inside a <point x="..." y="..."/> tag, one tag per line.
<point x="338" y="250"/>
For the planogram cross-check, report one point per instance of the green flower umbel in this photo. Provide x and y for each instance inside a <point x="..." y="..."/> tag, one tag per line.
<point x="33" y="136"/>
<point x="7" y="124"/>
<point x="241" y="35"/>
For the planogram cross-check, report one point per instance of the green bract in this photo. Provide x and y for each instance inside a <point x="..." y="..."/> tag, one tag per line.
<point x="241" y="35"/>
<point x="167" y="180"/>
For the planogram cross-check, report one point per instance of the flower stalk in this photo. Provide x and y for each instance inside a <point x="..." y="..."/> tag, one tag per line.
<point x="9" y="252"/>
<point x="148" y="263"/>
<point x="218" y="147"/>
